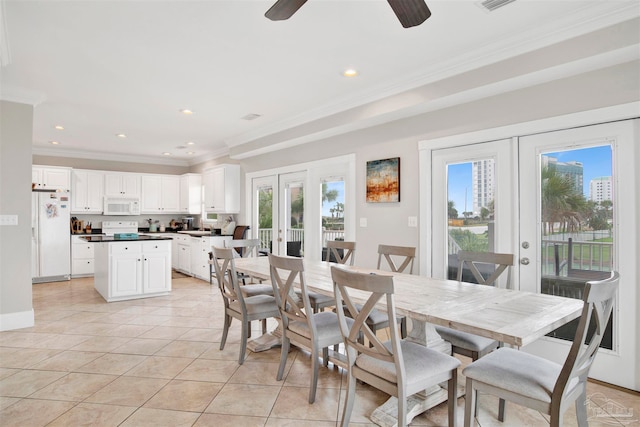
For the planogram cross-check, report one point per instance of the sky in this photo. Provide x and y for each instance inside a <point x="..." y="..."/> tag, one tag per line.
<point x="338" y="185"/>
<point x="596" y="162"/>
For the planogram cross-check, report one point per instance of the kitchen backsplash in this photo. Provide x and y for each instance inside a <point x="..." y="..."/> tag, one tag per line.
<point x="96" y="220"/>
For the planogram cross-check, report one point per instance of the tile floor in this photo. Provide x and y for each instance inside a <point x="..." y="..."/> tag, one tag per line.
<point x="156" y="362"/>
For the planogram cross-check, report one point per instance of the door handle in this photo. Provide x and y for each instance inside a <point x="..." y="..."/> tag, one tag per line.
<point x="524" y="261"/>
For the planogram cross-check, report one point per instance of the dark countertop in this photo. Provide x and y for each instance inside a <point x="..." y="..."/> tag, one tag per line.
<point x="103" y="239"/>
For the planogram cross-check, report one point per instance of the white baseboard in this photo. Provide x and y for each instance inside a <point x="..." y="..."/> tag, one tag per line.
<point x="19" y="320"/>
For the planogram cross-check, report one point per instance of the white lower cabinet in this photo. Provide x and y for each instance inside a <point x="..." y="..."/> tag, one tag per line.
<point x="200" y="248"/>
<point x="132" y="269"/>
<point x="183" y="248"/>
<point x="82" y="257"/>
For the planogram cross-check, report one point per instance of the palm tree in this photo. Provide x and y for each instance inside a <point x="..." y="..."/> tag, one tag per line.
<point x="328" y="195"/>
<point x="452" y="212"/>
<point x="561" y="203"/>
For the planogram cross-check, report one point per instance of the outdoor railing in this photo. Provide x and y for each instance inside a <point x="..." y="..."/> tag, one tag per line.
<point x="559" y="257"/>
<point x="266" y="236"/>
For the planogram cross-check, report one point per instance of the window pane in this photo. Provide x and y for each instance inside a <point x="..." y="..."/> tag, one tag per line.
<point x="470" y="211"/>
<point x="265" y="217"/>
<point x="577" y="205"/>
<point x="332" y="212"/>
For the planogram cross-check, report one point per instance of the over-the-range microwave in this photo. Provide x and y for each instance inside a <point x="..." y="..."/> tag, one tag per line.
<point x="121" y="205"/>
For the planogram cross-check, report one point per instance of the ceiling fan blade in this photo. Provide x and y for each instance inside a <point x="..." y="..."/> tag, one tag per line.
<point x="410" y="12"/>
<point x="283" y="9"/>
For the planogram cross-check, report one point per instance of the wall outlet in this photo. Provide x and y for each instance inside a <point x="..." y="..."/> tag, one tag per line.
<point x="413" y="221"/>
<point x="8" y="219"/>
<point x="363" y="222"/>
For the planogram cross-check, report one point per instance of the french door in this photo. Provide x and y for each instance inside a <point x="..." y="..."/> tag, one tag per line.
<point x="278" y="213"/>
<point x="578" y="222"/>
<point x="562" y="204"/>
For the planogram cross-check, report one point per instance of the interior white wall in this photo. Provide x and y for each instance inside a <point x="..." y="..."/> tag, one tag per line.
<point x="16" y="124"/>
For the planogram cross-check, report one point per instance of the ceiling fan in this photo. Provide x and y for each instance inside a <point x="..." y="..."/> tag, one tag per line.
<point x="409" y="12"/>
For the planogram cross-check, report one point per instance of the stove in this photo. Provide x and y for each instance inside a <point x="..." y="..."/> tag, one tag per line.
<point x="109" y="228"/>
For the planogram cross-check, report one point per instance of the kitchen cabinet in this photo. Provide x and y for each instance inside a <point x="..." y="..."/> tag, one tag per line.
<point x="183" y="243"/>
<point x="160" y="194"/>
<point x="191" y="193"/>
<point x="122" y="184"/>
<point x="87" y="191"/>
<point x="200" y="248"/>
<point x="222" y="189"/>
<point x="132" y="269"/>
<point x="51" y="178"/>
<point x="82" y="257"/>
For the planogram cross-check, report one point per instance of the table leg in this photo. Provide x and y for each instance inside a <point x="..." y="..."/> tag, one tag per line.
<point x="386" y="415"/>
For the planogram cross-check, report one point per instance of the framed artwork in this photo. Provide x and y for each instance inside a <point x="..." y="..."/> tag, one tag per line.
<point x="383" y="180"/>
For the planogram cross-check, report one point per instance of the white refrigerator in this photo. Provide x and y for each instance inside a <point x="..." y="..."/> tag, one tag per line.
<point x="50" y="236"/>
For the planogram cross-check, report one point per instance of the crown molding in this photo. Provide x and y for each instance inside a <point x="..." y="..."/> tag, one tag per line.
<point x="22" y="96"/>
<point x="212" y="155"/>
<point x="591" y="18"/>
<point x="61" y="152"/>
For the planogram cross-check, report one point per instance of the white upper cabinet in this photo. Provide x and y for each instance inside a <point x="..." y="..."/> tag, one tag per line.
<point x="122" y="184"/>
<point x="222" y="189"/>
<point x="160" y="194"/>
<point x="51" y="178"/>
<point x="191" y="193"/>
<point x="87" y="190"/>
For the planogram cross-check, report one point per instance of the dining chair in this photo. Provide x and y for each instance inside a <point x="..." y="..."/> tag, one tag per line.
<point x="249" y="248"/>
<point x="390" y="253"/>
<point x="377" y="320"/>
<point x="397" y="367"/>
<point x="541" y="384"/>
<point x="236" y="305"/>
<point x="300" y="325"/>
<point x="342" y="252"/>
<point x="486" y="268"/>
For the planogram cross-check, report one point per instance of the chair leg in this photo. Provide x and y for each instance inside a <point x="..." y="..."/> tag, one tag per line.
<point x="469" y="403"/>
<point x="581" y="408"/>
<point x="452" y="396"/>
<point x="403" y="327"/>
<point x="402" y="408"/>
<point x="348" y="402"/>
<point x="325" y="357"/>
<point x="264" y="326"/>
<point x="284" y="352"/>
<point x="243" y="341"/>
<point x="314" y="375"/>
<point x="501" y="410"/>
<point x="225" y="331"/>
<point x="249" y="331"/>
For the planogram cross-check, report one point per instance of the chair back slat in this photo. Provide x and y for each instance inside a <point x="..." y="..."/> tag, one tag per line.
<point x="342" y="251"/>
<point x="226" y="275"/>
<point x="388" y="252"/>
<point x="284" y="273"/>
<point x="598" y="299"/>
<point x="374" y="288"/>
<point x="244" y="247"/>
<point x="501" y="262"/>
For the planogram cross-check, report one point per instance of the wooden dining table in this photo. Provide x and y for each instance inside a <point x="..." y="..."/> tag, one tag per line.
<point x="515" y="318"/>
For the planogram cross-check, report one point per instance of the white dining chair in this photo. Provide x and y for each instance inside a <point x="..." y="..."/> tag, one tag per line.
<point x="538" y="383"/>
<point x="396" y="367"/>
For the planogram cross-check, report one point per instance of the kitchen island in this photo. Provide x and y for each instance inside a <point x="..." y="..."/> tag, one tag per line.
<point x="131" y="267"/>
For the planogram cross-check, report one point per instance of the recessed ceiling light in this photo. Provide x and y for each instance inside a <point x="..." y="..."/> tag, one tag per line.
<point x="54" y="142"/>
<point x="166" y="153"/>
<point x="58" y="127"/>
<point x="186" y="111"/>
<point x="190" y="143"/>
<point x="190" y="152"/>
<point x="350" y="72"/>
<point x="121" y="135"/>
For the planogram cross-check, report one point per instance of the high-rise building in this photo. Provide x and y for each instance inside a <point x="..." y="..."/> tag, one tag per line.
<point x="600" y="189"/>
<point x="483" y="176"/>
<point x="572" y="170"/>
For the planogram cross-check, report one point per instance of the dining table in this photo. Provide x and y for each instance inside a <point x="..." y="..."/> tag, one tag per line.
<point x="513" y="317"/>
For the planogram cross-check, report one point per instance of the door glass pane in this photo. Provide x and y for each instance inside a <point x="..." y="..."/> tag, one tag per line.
<point x="332" y="212"/>
<point x="577" y="205"/>
<point x="471" y="199"/>
<point x="265" y="217"/>
<point x="294" y="217"/>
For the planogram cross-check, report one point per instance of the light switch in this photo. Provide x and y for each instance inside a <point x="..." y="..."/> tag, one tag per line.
<point x="363" y="222"/>
<point x="413" y="221"/>
<point x="8" y="219"/>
